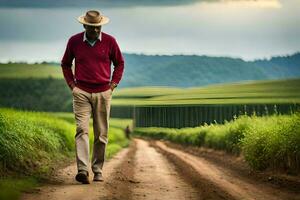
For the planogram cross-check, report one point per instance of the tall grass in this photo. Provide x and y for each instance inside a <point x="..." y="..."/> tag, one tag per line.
<point x="265" y="142"/>
<point x="273" y="142"/>
<point x="30" y="141"/>
<point x="32" y="144"/>
<point x="116" y="141"/>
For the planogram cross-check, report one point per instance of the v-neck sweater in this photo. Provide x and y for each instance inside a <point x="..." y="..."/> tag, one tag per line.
<point x="92" y="63"/>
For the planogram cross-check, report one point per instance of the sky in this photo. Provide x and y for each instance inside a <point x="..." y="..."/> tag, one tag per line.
<point x="35" y="31"/>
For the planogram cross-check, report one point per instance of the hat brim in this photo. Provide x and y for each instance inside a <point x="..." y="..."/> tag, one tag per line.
<point x="104" y="20"/>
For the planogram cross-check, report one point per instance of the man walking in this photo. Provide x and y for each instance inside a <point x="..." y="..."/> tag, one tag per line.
<point x="92" y="87"/>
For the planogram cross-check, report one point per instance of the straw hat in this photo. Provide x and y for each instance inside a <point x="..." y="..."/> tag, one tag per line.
<point x="93" y="18"/>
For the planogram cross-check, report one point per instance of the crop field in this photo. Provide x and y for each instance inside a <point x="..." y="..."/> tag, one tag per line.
<point x="194" y="106"/>
<point x="261" y="140"/>
<point x="275" y="91"/>
<point x="42" y="88"/>
<point x="270" y="91"/>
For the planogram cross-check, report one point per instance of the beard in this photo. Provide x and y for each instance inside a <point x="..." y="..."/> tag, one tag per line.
<point x="93" y="35"/>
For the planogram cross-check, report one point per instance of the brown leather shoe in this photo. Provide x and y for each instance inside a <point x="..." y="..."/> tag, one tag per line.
<point x="98" y="177"/>
<point x="83" y="177"/>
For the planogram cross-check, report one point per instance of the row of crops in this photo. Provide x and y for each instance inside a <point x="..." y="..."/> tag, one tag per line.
<point x="195" y="115"/>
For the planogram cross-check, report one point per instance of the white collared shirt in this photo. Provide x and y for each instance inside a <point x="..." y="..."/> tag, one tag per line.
<point x="94" y="42"/>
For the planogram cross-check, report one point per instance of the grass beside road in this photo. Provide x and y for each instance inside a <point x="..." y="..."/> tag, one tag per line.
<point x="33" y="144"/>
<point x="265" y="142"/>
<point x="30" y="144"/>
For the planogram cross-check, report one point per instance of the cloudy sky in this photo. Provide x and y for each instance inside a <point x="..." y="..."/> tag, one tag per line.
<point x="249" y="29"/>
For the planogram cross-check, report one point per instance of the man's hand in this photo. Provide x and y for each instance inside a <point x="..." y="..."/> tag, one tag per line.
<point x="113" y="86"/>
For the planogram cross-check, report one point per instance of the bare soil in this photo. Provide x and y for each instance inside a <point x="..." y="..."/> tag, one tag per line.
<point x="160" y="170"/>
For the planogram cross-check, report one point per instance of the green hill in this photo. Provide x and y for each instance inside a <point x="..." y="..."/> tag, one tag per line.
<point x="177" y="71"/>
<point x="191" y="71"/>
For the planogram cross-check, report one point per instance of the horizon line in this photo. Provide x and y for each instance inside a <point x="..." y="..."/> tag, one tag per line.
<point x="268" y="58"/>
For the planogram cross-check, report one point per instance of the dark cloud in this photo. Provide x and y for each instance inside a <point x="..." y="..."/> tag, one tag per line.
<point x="91" y="3"/>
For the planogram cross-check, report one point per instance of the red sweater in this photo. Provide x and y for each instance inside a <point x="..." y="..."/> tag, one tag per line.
<point x="92" y="63"/>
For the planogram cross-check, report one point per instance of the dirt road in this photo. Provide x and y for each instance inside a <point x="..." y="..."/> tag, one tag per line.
<point x="157" y="171"/>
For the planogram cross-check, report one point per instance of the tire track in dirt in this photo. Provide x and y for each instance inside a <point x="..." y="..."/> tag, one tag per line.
<point x="226" y="183"/>
<point x="121" y="182"/>
<point x="157" y="178"/>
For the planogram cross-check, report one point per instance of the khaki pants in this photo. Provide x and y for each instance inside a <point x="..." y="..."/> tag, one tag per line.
<point x="84" y="105"/>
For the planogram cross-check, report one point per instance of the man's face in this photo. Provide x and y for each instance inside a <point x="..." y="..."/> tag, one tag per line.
<point x="92" y="31"/>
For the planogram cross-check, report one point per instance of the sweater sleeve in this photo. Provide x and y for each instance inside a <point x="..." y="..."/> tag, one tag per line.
<point x="66" y="64"/>
<point x="118" y="62"/>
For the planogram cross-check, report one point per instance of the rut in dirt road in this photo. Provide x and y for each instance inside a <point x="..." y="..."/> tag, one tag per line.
<point x="227" y="183"/>
<point x="157" y="178"/>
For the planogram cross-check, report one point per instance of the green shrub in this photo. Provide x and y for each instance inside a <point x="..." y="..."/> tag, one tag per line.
<point x="235" y="133"/>
<point x="269" y="141"/>
<point x="273" y="142"/>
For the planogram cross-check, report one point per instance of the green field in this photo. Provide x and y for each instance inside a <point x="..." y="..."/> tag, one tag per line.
<point x="30" y="71"/>
<point x="276" y="91"/>
<point x="42" y="88"/>
<point x="249" y="92"/>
